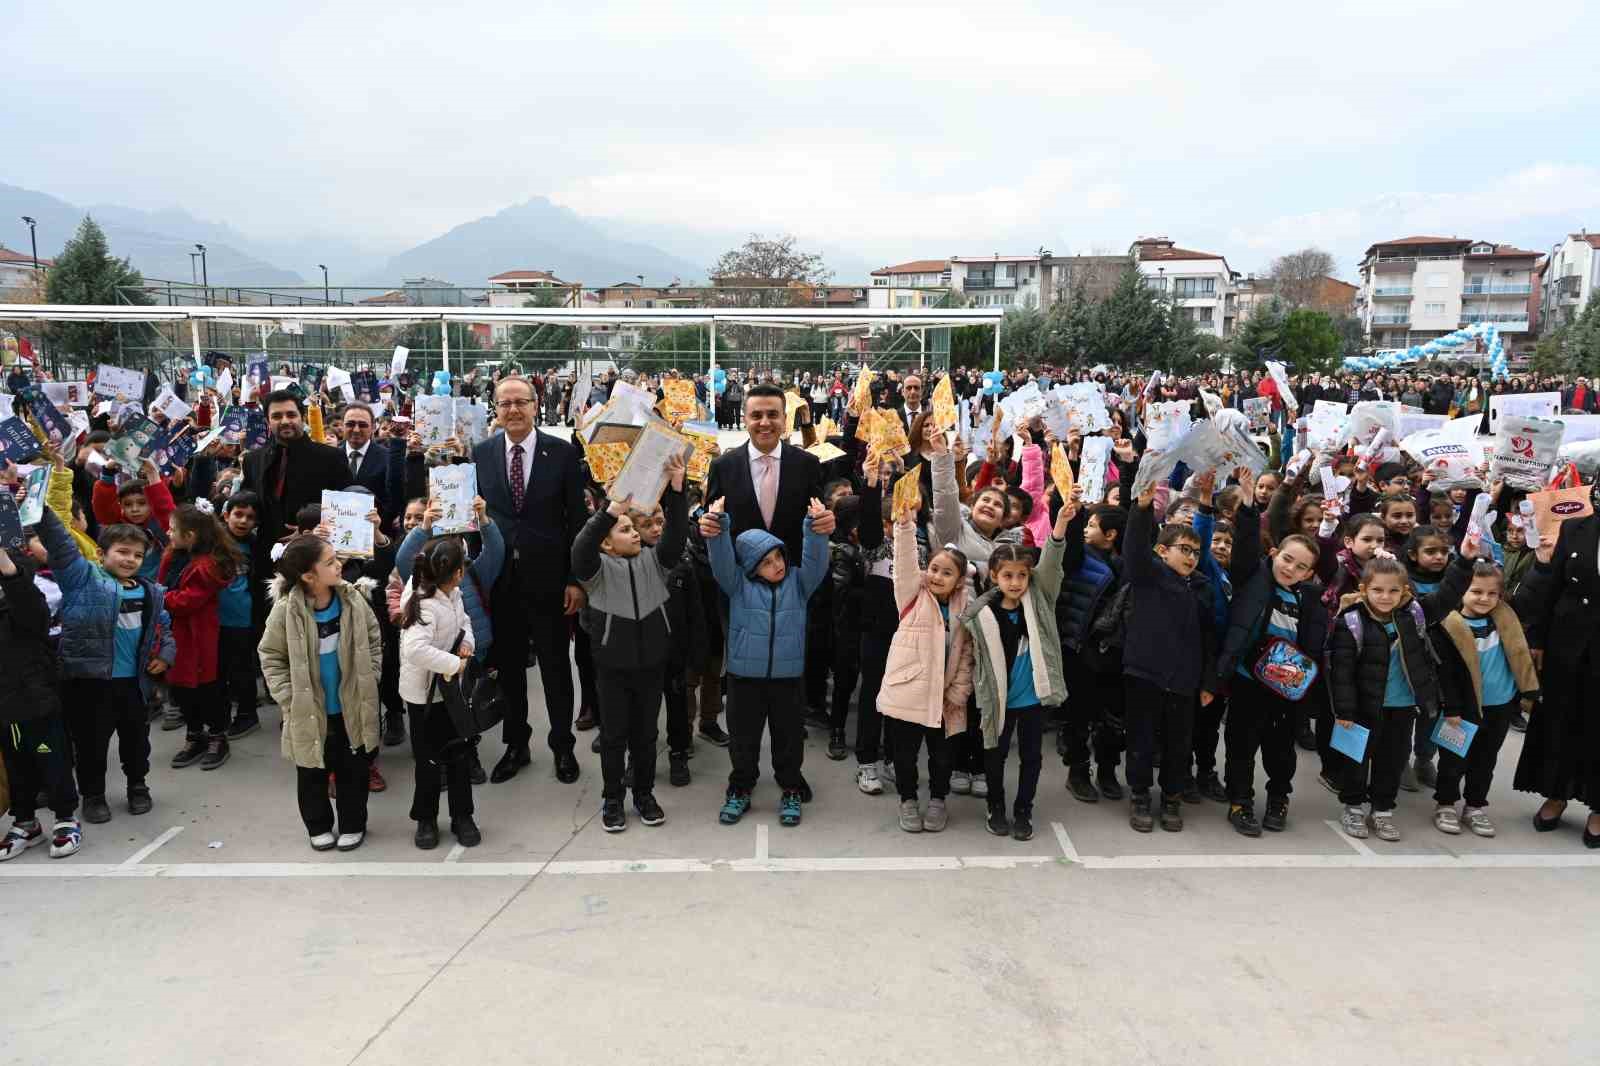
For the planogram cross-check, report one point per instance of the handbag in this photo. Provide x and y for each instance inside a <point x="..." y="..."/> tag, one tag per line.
<point x="1284" y="669"/>
<point x="473" y="698"/>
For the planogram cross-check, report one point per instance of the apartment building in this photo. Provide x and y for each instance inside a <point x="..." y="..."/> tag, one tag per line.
<point x="907" y="286"/>
<point x="1417" y="288"/>
<point x="999" y="280"/>
<point x="1199" y="282"/>
<point x="513" y="288"/>
<point x="1064" y="276"/>
<point x="1571" y="275"/>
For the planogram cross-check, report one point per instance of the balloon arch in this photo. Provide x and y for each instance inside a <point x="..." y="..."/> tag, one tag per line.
<point x="1438" y="348"/>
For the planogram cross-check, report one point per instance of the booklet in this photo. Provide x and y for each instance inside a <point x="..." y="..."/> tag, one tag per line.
<point x="11" y="538"/>
<point x="1351" y="742"/>
<point x="347" y="511"/>
<point x="31" y="510"/>
<point x="1455" y="739"/>
<point x="455" y="487"/>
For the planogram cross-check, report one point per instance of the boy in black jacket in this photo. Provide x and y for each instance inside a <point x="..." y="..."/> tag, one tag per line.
<point x="1093" y="567"/>
<point x="847" y="579"/>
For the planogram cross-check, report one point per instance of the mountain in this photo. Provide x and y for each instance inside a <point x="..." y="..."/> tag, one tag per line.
<point x="705" y="246"/>
<point x="536" y="235"/>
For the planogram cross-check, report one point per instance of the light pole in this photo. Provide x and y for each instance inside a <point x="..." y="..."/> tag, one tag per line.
<point x="33" y="239"/>
<point x="324" y="283"/>
<point x="204" y="278"/>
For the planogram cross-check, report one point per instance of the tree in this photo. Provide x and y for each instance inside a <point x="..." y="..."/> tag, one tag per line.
<point x="1311" y="344"/>
<point x="1550" y="355"/>
<point x="87" y="273"/>
<point x="1260" y="336"/>
<point x="1132" y="325"/>
<point x="774" y="259"/>
<point x="1297" y="277"/>
<point x="544" y="336"/>
<point x="1583" y="339"/>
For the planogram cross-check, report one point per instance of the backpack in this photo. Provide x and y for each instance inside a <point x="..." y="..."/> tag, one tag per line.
<point x="1357" y="627"/>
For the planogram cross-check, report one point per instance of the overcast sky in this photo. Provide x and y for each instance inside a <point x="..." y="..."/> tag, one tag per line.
<point x="899" y="131"/>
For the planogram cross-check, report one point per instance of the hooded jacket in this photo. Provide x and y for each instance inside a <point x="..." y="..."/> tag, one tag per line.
<point x="766" y="622"/>
<point x="1171" y="637"/>
<point x="923" y="680"/>
<point x="26" y="654"/>
<point x="626" y="615"/>
<point x="952" y="526"/>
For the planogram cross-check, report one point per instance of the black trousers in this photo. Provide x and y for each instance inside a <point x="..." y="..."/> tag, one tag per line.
<point x="1151" y="712"/>
<point x="1322" y="725"/>
<point x="350" y="784"/>
<point x="754" y="704"/>
<point x="97" y="708"/>
<point x="1207" y="732"/>
<point x="630" y="702"/>
<point x="237" y="671"/>
<point x="675" y="691"/>
<point x="1094" y="718"/>
<point x="1259" y="720"/>
<point x="205" y="710"/>
<point x="869" y="723"/>
<point x="908" y="738"/>
<point x="1478" y="767"/>
<point x="1376" y="779"/>
<point x="517" y="626"/>
<point x="389" y="674"/>
<point x="966" y="748"/>
<point x="435" y="745"/>
<point x="583" y="658"/>
<point x="819" y="654"/>
<point x="846" y="672"/>
<point x="38" y="758"/>
<point x="1028" y="725"/>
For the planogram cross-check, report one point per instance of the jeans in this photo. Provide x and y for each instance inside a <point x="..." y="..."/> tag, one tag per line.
<point x="1388" y="746"/>
<point x="350" y="784"/>
<point x="753" y="705"/>
<point x="630" y="700"/>
<point x="95" y="709"/>
<point x="1151" y="711"/>
<point x="1482" y="753"/>
<point x="1259" y="720"/>
<point x="204" y="707"/>
<point x="436" y="746"/>
<point x="38" y="758"/>
<point x="869" y="723"/>
<point x="236" y="670"/>
<point x="907" y="739"/>
<point x="1028" y="724"/>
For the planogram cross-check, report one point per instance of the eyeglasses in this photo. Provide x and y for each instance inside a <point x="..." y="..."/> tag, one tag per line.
<point x="1188" y="551"/>
<point x="506" y="405"/>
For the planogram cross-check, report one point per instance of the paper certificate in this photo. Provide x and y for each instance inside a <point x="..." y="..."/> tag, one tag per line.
<point x="454" y="487"/>
<point x="643" y="476"/>
<point x="347" y="513"/>
<point x="1092" y="464"/>
<point x="114" y="381"/>
<point x="1061" y="472"/>
<point x="907" y="497"/>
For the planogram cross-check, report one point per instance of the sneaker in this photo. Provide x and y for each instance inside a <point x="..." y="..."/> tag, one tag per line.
<point x="789" y="810"/>
<point x="980" y="785"/>
<point x="867" y="779"/>
<point x="886" y="772"/>
<point x="323" y="842"/>
<point x="171" y="720"/>
<point x="1141" y="815"/>
<point x="1172" y="814"/>
<point x="97" y="811"/>
<point x="836" y="746"/>
<point x="466" y="831"/>
<point x="998" y="823"/>
<point x="650" y="812"/>
<point x="1478" y="822"/>
<point x="1110" y="788"/>
<point x="1191" y="792"/>
<point x="734" y="807"/>
<point x="375" y="781"/>
<point x="1211" y="788"/>
<point x="394" y="729"/>
<point x="139" y="802"/>
<point x="1427" y="773"/>
<point x="1081" y="785"/>
<point x="613" y="819"/>
<point x="1328" y="783"/>
<point x="1447" y="820"/>
<point x="936" y="818"/>
<point x="961" y="782"/>
<point x="1519" y="722"/>
<point x="1408" y="779"/>
<point x="194" y="746"/>
<point x="350" y="841"/>
<point x="1276" y="818"/>
<point x="1243" y="820"/>
<point x="19" y="838"/>
<point x="678" y="768"/>
<point x="243" y="725"/>
<point x="714" y="733"/>
<point x="1022" y="827"/>
<point x="1383" y="825"/>
<point x="216" y="752"/>
<point x="66" y="838"/>
<point x="910" y="816"/>
<point x="1354" y="822"/>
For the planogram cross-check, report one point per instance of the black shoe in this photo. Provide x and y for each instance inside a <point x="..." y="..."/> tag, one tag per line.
<point x="836" y="745"/>
<point x="594" y="745"/>
<point x="1211" y="788"/>
<point x="216" y="752"/>
<point x="427" y="837"/>
<point x="613" y="819"/>
<point x="804" y="790"/>
<point x="1519" y="722"/>
<point x="566" y="767"/>
<point x="650" y="812"/>
<point x="194" y="746"/>
<point x="475" y="771"/>
<point x="513" y="760"/>
<point x="1109" y="786"/>
<point x="714" y="733"/>
<point x="139" y="801"/>
<point x="1172" y="814"/>
<point x="1191" y="792"/>
<point x="677" y="768"/>
<point x="243" y="725"/>
<point x="1141" y="815"/>
<point x="1306" y="739"/>
<point x="1021" y="827"/>
<point x="96" y="810"/>
<point x="394" y="729"/>
<point x="998" y="824"/>
<point x="444" y="778"/>
<point x="1590" y="840"/>
<point x="819" y="717"/>
<point x="585" y="720"/>
<point x="466" y="831"/>
<point x="1081" y="786"/>
<point x="1276" y="818"/>
<point x="1542" y="825"/>
<point x="1243" y="820"/>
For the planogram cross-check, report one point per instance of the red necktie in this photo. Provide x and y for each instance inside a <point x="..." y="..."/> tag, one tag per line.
<point x="519" y="487"/>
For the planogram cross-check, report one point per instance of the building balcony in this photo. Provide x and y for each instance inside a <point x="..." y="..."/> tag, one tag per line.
<point x="984" y="281"/>
<point x="1391" y="320"/>
<point x="1496" y="290"/>
<point x="1508" y="319"/>
<point x="1385" y="291"/>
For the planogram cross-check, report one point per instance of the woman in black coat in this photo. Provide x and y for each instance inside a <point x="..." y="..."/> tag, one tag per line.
<point x="1559" y="603"/>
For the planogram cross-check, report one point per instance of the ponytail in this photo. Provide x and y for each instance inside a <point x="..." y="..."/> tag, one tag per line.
<point x="438" y="560"/>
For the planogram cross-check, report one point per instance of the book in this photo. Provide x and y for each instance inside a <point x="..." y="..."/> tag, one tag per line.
<point x="1351" y="742"/>
<point x="1455" y="739"/>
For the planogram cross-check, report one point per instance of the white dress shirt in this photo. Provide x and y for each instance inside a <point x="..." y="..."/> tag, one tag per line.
<point x="755" y="461"/>
<point x="358" y="454"/>
<point x="527" y="457"/>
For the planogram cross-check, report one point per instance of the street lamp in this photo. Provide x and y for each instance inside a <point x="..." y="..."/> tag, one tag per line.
<point x="324" y="283"/>
<point x="204" y="277"/>
<point x="33" y="239"/>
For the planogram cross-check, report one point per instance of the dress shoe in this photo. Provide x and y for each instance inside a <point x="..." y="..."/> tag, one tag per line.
<point x="513" y="760"/>
<point x="585" y="720"/>
<point x="566" y="767"/>
<point x="427" y="837"/>
<point x="1546" y="825"/>
<point x="475" y="770"/>
<point x="466" y="832"/>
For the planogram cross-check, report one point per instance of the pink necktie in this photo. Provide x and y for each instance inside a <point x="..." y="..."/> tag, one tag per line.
<point x="767" y="491"/>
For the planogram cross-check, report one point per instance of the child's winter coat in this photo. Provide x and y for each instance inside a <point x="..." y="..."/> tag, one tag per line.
<point x="1044" y="642"/>
<point x="626" y="613"/>
<point x="1460" y="672"/>
<point x="766" y="623"/>
<point x="928" y="675"/>
<point x="192" y="603"/>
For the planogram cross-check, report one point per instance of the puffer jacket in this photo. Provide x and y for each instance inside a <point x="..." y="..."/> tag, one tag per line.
<point x="1358" y="674"/>
<point x="626" y="613"/>
<point x="1254" y="594"/>
<point x="428" y="646"/>
<point x="1091" y="580"/>
<point x="951" y="525"/>
<point x="289" y="663"/>
<point x="26" y="654"/>
<point x="766" y="623"/>
<point x="89" y="600"/>
<point x="922" y="683"/>
<point x="482" y="573"/>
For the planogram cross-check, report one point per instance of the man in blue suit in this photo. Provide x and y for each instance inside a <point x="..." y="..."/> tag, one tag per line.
<point x="368" y="461"/>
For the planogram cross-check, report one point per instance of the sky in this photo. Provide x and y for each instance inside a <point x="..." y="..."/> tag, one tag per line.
<point x="900" y="131"/>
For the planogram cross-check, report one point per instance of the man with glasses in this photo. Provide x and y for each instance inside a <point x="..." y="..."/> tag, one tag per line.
<point x="368" y="461"/>
<point x="533" y="486"/>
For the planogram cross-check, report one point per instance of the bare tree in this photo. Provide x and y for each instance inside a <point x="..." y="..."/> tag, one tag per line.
<point x="1297" y="277"/>
<point x="772" y="259"/>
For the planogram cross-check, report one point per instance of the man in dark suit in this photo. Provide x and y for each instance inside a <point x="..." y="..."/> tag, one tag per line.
<point x="368" y="461"/>
<point x="911" y="403"/>
<point x="533" y="487"/>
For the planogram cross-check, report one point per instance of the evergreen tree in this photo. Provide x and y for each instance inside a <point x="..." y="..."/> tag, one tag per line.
<point x="1311" y="344"/>
<point x="543" y="336"/>
<point x="1583" y="339"/>
<point x="1260" y="337"/>
<point x="1550" y="355"/>
<point x="87" y="273"/>
<point x="1132" y="325"/>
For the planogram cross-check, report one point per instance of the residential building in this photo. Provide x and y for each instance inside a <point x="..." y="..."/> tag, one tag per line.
<point x="906" y="286"/>
<point x="998" y="280"/>
<point x="1571" y="275"/>
<point x="1330" y="296"/>
<point x="1061" y="277"/>
<point x="16" y="269"/>
<point x="514" y="288"/>
<point x="1199" y="282"/>
<point x="1417" y="288"/>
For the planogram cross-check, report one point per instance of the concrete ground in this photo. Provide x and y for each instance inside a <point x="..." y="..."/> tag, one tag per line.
<point x="208" y="931"/>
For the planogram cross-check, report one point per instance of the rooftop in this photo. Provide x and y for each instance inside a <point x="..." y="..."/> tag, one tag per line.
<point x="8" y="256"/>
<point x="1154" y="248"/>
<point x="527" y="275"/>
<point x="916" y="266"/>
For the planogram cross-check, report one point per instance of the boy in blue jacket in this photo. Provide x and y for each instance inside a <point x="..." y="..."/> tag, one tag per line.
<point x="116" y="639"/>
<point x="766" y="653"/>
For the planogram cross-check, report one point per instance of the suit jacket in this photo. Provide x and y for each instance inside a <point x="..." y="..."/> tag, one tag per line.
<point x="538" y="537"/>
<point x="799" y="480"/>
<point x="374" y="473"/>
<point x="312" y="468"/>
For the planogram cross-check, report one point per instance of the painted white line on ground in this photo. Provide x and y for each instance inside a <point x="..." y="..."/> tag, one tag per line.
<point x="1065" y="841"/>
<point x="456" y="852"/>
<point x="763" y="845"/>
<point x="150" y="849"/>
<point x="1358" y="846"/>
<point x="889" y="864"/>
